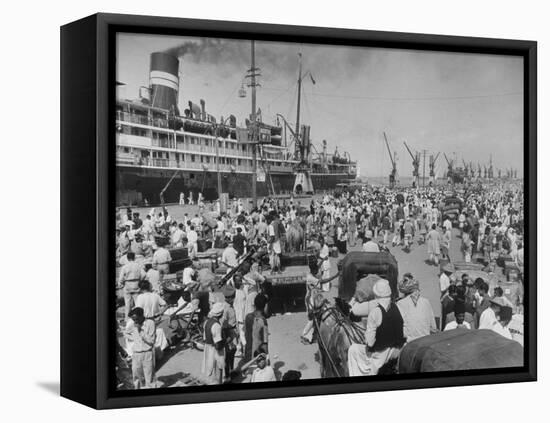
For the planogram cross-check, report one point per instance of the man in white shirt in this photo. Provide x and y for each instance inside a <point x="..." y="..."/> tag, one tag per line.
<point x="444" y="282"/>
<point x="459" y="322"/>
<point x="417" y="312"/>
<point x="151" y="303"/>
<point x="262" y="373"/>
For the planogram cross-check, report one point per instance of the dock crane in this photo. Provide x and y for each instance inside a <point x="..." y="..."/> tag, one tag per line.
<point x="450" y="171"/>
<point x="393" y="163"/>
<point x="466" y="172"/>
<point x="432" y="168"/>
<point x="416" y="164"/>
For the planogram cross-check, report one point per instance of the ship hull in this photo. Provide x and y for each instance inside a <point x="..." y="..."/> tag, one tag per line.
<point x="137" y="186"/>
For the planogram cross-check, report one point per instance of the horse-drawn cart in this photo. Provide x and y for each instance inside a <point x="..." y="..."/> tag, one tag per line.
<point x="334" y="326"/>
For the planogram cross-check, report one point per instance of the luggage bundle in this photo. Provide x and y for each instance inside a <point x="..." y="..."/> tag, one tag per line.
<point x="460" y="349"/>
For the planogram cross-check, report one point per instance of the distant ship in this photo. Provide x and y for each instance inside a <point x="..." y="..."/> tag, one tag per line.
<point x="161" y="153"/>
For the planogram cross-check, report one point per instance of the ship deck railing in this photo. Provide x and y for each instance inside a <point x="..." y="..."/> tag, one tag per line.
<point x="124" y="159"/>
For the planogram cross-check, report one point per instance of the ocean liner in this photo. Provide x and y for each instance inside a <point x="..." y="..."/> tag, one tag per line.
<point x="162" y="154"/>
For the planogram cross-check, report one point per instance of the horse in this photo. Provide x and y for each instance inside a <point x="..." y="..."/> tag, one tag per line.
<point x="335" y="333"/>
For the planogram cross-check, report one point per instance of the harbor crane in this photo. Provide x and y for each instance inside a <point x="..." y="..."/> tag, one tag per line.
<point x="393" y="159"/>
<point x="432" y="168"/>
<point x="449" y="169"/>
<point x="416" y="164"/>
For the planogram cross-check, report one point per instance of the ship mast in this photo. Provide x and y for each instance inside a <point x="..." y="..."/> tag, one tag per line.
<point x="297" y="131"/>
<point x="253" y="129"/>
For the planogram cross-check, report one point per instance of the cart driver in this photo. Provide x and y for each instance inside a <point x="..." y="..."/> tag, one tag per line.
<point x="384" y="335"/>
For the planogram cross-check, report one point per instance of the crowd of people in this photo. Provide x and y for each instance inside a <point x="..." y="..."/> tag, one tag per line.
<point x="234" y="318"/>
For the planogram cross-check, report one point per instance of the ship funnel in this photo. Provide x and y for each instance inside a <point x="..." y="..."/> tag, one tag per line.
<point x="164" y="81"/>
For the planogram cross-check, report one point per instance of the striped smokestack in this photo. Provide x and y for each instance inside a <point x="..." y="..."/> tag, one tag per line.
<point x="164" y="80"/>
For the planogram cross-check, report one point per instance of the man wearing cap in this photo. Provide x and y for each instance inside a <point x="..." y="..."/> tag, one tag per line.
<point x="213" y="363"/>
<point x="417" y="312"/>
<point x="384" y="335"/>
<point x="369" y="245"/>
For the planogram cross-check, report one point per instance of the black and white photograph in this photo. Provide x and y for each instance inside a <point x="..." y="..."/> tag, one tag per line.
<point x="293" y="211"/>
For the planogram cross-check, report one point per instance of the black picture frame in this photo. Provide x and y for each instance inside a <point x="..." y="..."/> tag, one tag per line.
<point x="87" y="197"/>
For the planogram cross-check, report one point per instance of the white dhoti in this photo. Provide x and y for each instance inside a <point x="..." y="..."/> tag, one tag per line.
<point x="213" y="364"/>
<point x="363" y="363"/>
<point x="325" y="274"/>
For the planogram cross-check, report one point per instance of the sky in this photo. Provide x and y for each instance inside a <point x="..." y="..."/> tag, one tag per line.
<point x="468" y="106"/>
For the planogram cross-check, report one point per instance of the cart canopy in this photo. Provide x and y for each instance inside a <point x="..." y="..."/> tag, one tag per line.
<point x="358" y="264"/>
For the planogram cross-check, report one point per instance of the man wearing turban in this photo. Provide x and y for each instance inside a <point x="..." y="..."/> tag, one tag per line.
<point x="417" y="312"/>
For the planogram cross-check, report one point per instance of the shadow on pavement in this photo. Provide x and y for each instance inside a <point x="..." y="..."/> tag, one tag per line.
<point x="51" y="387"/>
